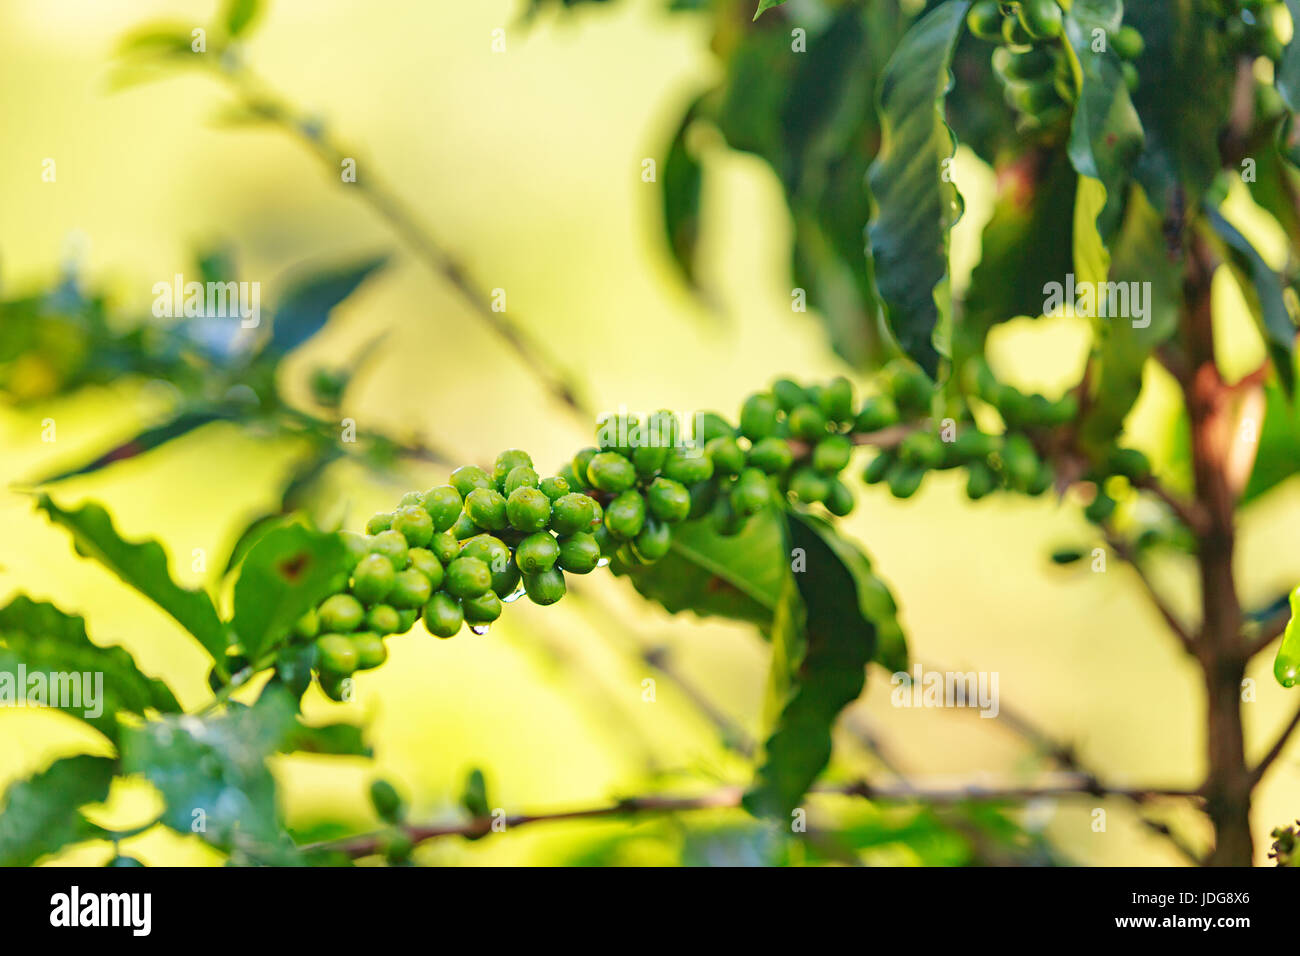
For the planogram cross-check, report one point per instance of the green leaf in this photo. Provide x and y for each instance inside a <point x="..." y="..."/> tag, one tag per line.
<point x="682" y="184"/>
<point x="39" y="815"/>
<point x="735" y="577"/>
<point x="1105" y="133"/>
<point x="312" y="296"/>
<point x="827" y="663"/>
<point x="1140" y="255"/>
<point x="44" y="640"/>
<point x="240" y="14"/>
<point x="285" y="575"/>
<point x="213" y="777"/>
<point x="1278" y="454"/>
<point x="147" y="440"/>
<point x="1272" y="314"/>
<point x="1026" y="244"/>
<point x="143" y="566"/>
<point x="764" y="5"/>
<point x="917" y="206"/>
<point x="1184" y="88"/>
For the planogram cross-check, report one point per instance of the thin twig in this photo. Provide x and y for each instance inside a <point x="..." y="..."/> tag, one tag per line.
<point x="1269" y="631"/>
<point x="1276" y="750"/>
<point x="1126" y="554"/>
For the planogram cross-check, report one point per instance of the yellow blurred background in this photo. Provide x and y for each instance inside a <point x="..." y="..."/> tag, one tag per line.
<point x="528" y="164"/>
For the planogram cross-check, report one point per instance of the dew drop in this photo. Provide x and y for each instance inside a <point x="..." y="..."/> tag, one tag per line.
<point x="479" y="629"/>
<point x="514" y="595"/>
<point x="603" y="563"/>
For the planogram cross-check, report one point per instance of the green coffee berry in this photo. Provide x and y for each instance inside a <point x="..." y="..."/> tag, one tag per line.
<point x="972" y="444"/>
<point x="336" y="654"/>
<point x="469" y="477"/>
<point x="380" y="522"/>
<point x="410" y="589"/>
<point x="758" y="416"/>
<point x="688" y="466"/>
<point x="1100" y="508"/>
<point x="610" y="471"/>
<point x="878" y="468"/>
<point x="528" y="510"/>
<point x="384" y="619"/>
<point x="579" y="553"/>
<point x="771" y="455"/>
<point x="415" y="525"/>
<point x="751" y="493"/>
<point x="521" y="476"/>
<point x="392" y="545"/>
<point x="653" y="541"/>
<point x="444" y="504"/>
<point x="668" y="500"/>
<point x="483" y="609"/>
<point x="831" y="455"/>
<point x="581" y="462"/>
<point x="877" y="413"/>
<point x="985" y="20"/>
<point x="308" y="626"/>
<point x="468" y="577"/>
<point x="571" y="514"/>
<point x="1023" y="64"/>
<point x="728" y="457"/>
<point x="371" y="651"/>
<point x="506" y="462"/>
<point x="427" y="563"/>
<point x="807" y="422"/>
<point x="922" y="449"/>
<point x="724" y="518"/>
<point x="341" y="613"/>
<point x="1128" y="43"/>
<point x="904" y="480"/>
<point x="626" y="515"/>
<point x="373" y="578"/>
<point x="1014" y="32"/>
<point x="445" y="547"/>
<point x="711" y="425"/>
<point x="703" y="495"/>
<point x="836" y="400"/>
<point x="486" y="507"/>
<point x="980" y="480"/>
<point x="355" y="547"/>
<point x="388" y="805"/>
<point x="911" y="388"/>
<point x="334" y="686"/>
<point x="546" y="587"/>
<point x="607" y="542"/>
<point x="1130" y="463"/>
<point x="465" y="528"/>
<point x="1020" y="460"/>
<point x="809" y="485"/>
<point x="443" y="615"/>
<point x="1041" y="18"/>
<point x="537" y="552"/>
<point x="789" y="395"/>
<point x="839" y="501"/>
<point x="554" y="488"/>
<point x="648" y="459"/>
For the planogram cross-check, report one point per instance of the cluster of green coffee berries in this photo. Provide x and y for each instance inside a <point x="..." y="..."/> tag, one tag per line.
<point x="1284" y="847"/>
<point x="1031" y="63"/>
<point x="1251" y="26"/>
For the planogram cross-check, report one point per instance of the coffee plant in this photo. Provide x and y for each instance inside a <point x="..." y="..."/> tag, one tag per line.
<point x="1137" y="149"/>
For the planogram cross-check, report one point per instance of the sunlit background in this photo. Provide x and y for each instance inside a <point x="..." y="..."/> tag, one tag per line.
<point x="528" y="164"/>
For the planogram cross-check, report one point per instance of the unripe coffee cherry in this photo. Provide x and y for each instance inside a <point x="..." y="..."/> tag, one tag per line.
<point x="751" y="493"/>
<point x="980" y="480"/>
<point x="579" y="553"/>
<point x="836" y="400"/>
<point x="465" y="528"/>
<point x="371" y="650"/>
<point x="653" y="541"/>
<point x="380" y="522"/>
<point x="392" y="545"/>
<point x="771" y="455"/>
<point x="410" y="590"/>
<point x="807" y="422"/>
<point x="758" y="416"/>
<point x="554" y="488"/>
<point x="711" y="425"/>
<point x="373" y="578"/>
<point x="415" y="525"/>
<point x="648" y="459"/>
<point x="809" y="485"/>
<point x="537" y="552"/>
<point x="443" y="615"/>
<point x="307" y="626"/>
<point x="486" y="507"/>
<point x="831" y="455"/>
<point x="668" y="500"/>
<point x="506" y="462"/>
<point x="626" y="515"/>
<point x="728" y="457"/>
<point x="688" y="466"/>
<point x="334" y="686"/>
<point x="483" y="609"/>
<point x="521" y="476"/>
<point x="427" y="563"/>
<point x="340" y="613"/>
<point x="355" y="547"/>
<point x="610" y="471"/>
<point x="839" y="501"/>
<point x="789" y="395"/>
<point x="876" y="413"/>
<point x="468" y="577"/>
<point x="386" y="801"/>
<point x="571" y="514"/>
<point x="878" y="468"/>
<point x="444" y="504"/>
<point x="528" y="510"/>
<point x="384" y="619"/>
<point x="445" y="547"/>
<point x="469" y="477"/>
<point x="336" y="654"/>
<point x="545" y="588"/>
<point x="904" y="480"/>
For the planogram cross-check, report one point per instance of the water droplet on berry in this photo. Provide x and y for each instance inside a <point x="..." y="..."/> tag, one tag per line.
<point x="514" y="595"/>
<point x="480" y="629"/>
<point x="603" y="563"/>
